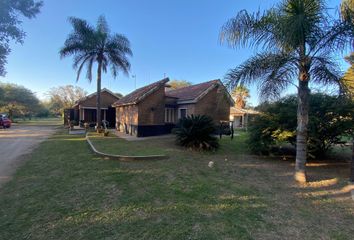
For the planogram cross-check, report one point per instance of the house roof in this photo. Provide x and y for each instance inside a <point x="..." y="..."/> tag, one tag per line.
<point x="191" y="92"/>
<point x="140" y="93"/>
<point x="78" y="102"/>
<point x="237" y="110"/>
<point x="197" y="91"/>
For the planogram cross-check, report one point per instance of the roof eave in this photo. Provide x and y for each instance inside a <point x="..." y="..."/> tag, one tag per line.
<point x="124" y="104"/>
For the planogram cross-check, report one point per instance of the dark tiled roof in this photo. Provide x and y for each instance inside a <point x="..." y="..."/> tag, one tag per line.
<point x="81" y="100"/>
<point x="190" y="92"/>
<point x="140" y="93"/>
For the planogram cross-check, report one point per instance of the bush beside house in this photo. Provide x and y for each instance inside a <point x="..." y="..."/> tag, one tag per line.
<point x="330" y="120"/>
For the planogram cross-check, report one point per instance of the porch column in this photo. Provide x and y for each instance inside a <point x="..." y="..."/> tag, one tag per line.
<point x="104" y="114"/>
<point x="82" y="112"/>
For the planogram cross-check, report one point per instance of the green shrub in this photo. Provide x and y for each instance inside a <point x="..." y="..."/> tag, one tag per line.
<point x="196" y="132"/>
<point x="330" y="119"/>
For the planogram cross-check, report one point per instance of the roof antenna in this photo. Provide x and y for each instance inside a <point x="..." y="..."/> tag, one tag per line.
<point x="134" y="76"/>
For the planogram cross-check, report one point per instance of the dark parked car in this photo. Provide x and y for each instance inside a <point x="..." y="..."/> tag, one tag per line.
<point x="5" y="122"/>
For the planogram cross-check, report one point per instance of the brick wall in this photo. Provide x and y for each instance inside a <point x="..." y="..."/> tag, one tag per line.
<point x="190" y="108"/>
<point x="151" y="111"/>
<point x="152" y="108"/>
<point x="215" y="104"/>
<point x="106" y="100"/>
<point x="127" y="119"/>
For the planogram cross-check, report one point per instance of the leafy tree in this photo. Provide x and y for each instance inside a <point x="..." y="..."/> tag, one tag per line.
<point x="240" y="95"/>
<point x="43" y="111"/>
<point x="175" y="84"/>
<point x="91" y="45"/>
<point x="119" y="95"/>
<point x="348" y="78"/>
<point x="196" y="132"/>
<point x="330" y="119"/>
<point x="63" y="97"/>
<point x="2" y="92"/>
<point x="299" y="40"/>
<point x="347" y="13"/>
<point x="18" y="101"/>
<point x="10" y="12"/>
<point x="347" y="10"/>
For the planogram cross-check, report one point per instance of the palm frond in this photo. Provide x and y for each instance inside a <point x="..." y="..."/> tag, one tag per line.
<point x="102" y="25"/>
<point x="89" y="68"/>
<point x="105" y="63"/>
<point x="271" y="71"/>
<point x="325" y="72"/>
<point x="81" y="28"/>
<point x="250" y="29"/>
<point x="120" y="61"/>
<point x="119" y="43"/>
<point x="258" y="66"/>
<point x="82" y="64"/>
<point x="273" y="84"/>
<point x="88" y="44"/>
<point x="338" y="38"/>
<point x="301" y="21"/>
<point x="78" y="58"/>
<point x="114" y="70"/>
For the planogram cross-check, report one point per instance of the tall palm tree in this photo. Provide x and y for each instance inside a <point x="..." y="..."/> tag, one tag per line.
<point x="240" y="95"/>
<point x="90" y="45"/>
<point x="298" y="41"/>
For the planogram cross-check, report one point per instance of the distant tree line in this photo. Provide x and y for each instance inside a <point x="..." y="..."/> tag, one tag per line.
<point x="19" y="102"/>
<point x="63" y="97"/>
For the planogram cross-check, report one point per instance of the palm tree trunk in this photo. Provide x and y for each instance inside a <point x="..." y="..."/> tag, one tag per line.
<point x="98" y="97"/>
<point x="301" y="135"/>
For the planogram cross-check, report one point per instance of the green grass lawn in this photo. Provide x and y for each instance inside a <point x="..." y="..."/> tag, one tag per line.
<point x="40" y="121"/>
<point x="114" y="145"/>
<point x="64" y="191"/>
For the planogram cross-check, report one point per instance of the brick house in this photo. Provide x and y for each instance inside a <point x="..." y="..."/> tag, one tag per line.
<point x="155" y="109"/>
<point x="85" y="109"/>
<point x="241" y="116"/>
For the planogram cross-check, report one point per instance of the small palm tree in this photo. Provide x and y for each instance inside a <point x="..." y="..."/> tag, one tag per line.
<point x="299" y="41"/>
<point x="240" y="95"/>
<point x="90" y="45"/>
<point x="196" y="132"/>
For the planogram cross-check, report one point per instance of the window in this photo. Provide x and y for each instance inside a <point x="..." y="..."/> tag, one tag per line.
<point x="169" y="115"/>
<point x="182" y="112"/>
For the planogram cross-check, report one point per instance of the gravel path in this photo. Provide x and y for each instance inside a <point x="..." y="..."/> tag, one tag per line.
<point x="17" y="141"/>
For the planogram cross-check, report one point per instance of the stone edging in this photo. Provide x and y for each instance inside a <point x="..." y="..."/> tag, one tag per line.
<point x="123" y="157"/>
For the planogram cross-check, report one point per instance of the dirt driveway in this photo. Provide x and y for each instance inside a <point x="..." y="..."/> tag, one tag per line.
<point x="17" y="141"/>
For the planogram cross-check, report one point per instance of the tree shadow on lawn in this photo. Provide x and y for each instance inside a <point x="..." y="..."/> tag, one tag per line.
<point x="321" y="208"/>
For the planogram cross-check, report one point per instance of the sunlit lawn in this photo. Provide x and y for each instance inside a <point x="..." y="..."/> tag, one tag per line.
<point x="40" y="121"/>
<point x="65" y="192"/>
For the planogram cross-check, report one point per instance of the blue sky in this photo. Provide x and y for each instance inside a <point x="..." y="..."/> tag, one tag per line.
<point x="178" y="38"/>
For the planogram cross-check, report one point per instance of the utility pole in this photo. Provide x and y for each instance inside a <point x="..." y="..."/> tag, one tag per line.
<point x="134" y="76"/>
